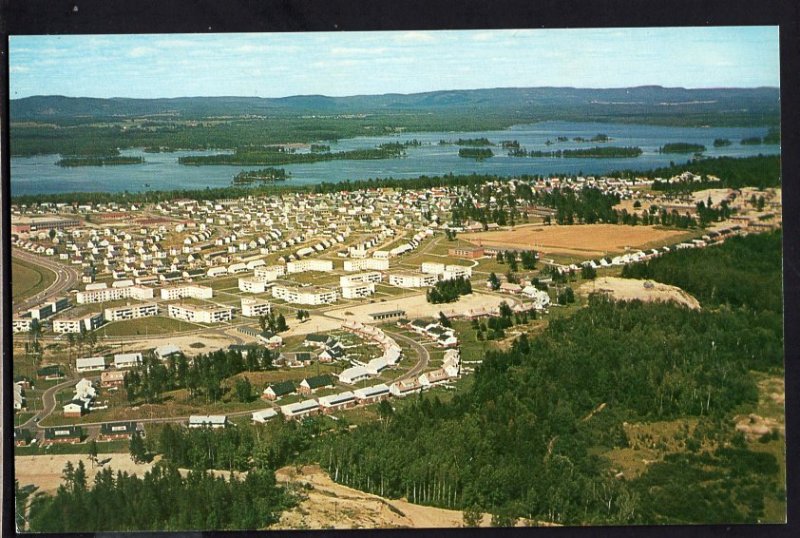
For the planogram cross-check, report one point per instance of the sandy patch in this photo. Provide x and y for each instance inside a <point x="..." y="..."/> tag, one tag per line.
<point x="594" y="239"/>
<point x="417" y="306"/>
<point x="331" y="505"/>
<point x="210" y="342"/>
<point x="754" y="426"/>
<point x="627" y="289"/>
<point x="717" y="195"/>
<point x="45" y="471"/>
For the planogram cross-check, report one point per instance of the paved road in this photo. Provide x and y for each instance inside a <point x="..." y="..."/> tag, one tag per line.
<point x="66" y="278"/>
<point x="422" y="353"/>
<point x="48" y="402"/>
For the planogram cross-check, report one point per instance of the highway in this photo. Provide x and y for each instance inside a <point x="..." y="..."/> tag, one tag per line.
<point x="66" y="278"/>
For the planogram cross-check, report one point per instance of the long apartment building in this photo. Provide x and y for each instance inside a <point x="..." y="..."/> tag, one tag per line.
<point x="119" y="313"/>
<point x="73" y="324"/>
<point x="194" y="291"/>
<point x="412" y="280"/>
<point x="446" y="272"/>
<point x="253" y="308"/>
<point x="101" y="295"/>
<point x="269" y="273"/>
<point x="371" y="264"/>
<point x="301" y="266"/>
<point x="360" y="278"/>
<point x="310" y="295"/>
<point x="252" y="285"/>
<point x="358" y="291"/>
<point x="201" y="314"/>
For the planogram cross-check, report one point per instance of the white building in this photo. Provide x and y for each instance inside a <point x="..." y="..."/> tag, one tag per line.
<point x="208" y="421"/>
<point x="264" y="415"/>
<point x="253" y="308"/>
<point x="200" y="314"/>
<point x="140" y="293"/>
<point x="73" y="324"/>
<point x="446" y="272"/>
<point x="358" y="291"/>
<point x="163" y="352"/>
<point x="372" y="394"/>
<point x="353" y="375"/>
<point x="301" y="266"/>
<point x="309" y="295"/>
<point x="412" y="280"/>
<point x="21" y="325"/>
<point x="360" y="278"/>
<point x="194" y="291"/>
<point x="127" y="360"/>
<point x="300" y="409"/>
<point x="374" y="264"/>
<point x="541" y="299"/>
<point x="252" y="285"/>
<point x="118" y="313"/>
<point x="90" y="364"/>
<point x="269" y="273"/>
<point x="337" y="401"/>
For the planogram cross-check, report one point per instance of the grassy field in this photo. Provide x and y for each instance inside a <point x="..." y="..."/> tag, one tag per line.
<point x="27" y="279"/>
<point x="154" y="325"/>
<point x="104" y="447"/>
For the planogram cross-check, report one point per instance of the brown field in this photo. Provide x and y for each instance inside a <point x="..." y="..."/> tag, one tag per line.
<point x="629" y="289"/>
<point x="580" y="239"/>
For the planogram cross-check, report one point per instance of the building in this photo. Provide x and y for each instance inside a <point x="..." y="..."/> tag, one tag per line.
<point x="310" y="295"/>
<point x="269" y="273"/>
<point x="76" y="408"/>
<point x="264" y="415"/>
<point x="62" y="434"/>
<point x="360" y="278"/>
<point x="200" y="314"/>
<point x="90" y="364"/>
<point x="405" y="387"/>
<point x="252" y="285"/>
<point x="466" y="252"/>
<point x="353" y="375"/>
<point x="119" y="313"/>
<point x="164" y="352"/>
<point x="22" y="437"/>
<point x="194" y="291"/>
<point x="112" y="378"/>
<point x="301" y="266"/>
<point x="388" y="315"/>
<point x="372" y="394"/>
<point x="334" y="402"/>
<point x="373" y="264"/>
<point x="208" y="421"/>
<point x="300" y="409"/>
<point x="127" y="360"/>
<point x="21" y="325"/>
<point x="433" y="377"/>
<point x="48" y="308"/>
<point x="111" y="431"/>
<point x="412" y="280"/>
<point x="358" y="291"/>
<point x="19" y="398"/>
<point x="253" y="308"/>
<point x="105" y="294"/>
<point x="73" y="324"/>
<point x="310" y="385"/>
<point x="278" y="390"/>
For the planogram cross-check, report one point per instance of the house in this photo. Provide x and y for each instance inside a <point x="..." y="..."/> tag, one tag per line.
<point x="331" y="403"/>
<point x="52" y="371"/>
<point x="84" y="389"/>
<point x="277" y="390"/>
<point x="127" y="360"/>
<point x="164" y="352"/>
<point x="264" y="415"/>
<point x="447" y="340"/>
<point x="110" y="431"/>
<point x="300" y="409"/>
<point x="405" y="387"/>
<point x="353" y="375"/>
<point x="90" y="364"/>
<point x="63" y="434"/>
<point x="331" y="354"/>
<point x="510" y="287"/>
<point x="433" y="377"/>
<point x="208" y="421"/>
<point x="76" y="408"/>
<point x="113" y="378"/>
<point x="310" y="385"/>
<point x="316" y="340"/>
<point x="19" y="398"/>
<point x="376" y="366"/>
<point x="372" y="394"/>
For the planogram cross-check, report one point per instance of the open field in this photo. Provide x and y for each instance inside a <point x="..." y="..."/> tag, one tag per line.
<point x="628" y="289"/>
<point x="580" y="239"/>
<point x="27" y="279"/>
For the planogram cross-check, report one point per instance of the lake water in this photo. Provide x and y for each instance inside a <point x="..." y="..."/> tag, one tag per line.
<point x="161" y="171"/>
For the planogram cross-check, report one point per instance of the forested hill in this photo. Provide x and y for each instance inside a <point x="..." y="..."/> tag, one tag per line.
<point x="749" y="105"/>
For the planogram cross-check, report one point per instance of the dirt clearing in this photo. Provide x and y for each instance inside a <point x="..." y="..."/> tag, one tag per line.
<point x="628" y="289"/>
<point x="587" y="239"/>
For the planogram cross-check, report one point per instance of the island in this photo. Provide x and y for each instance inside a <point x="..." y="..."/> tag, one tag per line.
<point x="265" y="174"/>
<point x="69" y="162"/>
<point x="277" y="156"/>
<point x="721" y="142"/>
<point x="595" y="152"/>
<point x="681" y="147"/>
<point x="478" y="154"/>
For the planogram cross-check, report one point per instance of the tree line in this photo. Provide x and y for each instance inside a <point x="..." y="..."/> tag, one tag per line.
<point x="447" y="291"/>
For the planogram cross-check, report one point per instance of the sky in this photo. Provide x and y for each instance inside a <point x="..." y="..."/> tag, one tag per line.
<point x="359" y="63"/>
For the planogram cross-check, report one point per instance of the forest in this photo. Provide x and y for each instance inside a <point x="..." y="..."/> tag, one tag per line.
<point x="265" y="174"/>
<point x="447" y="291"/>
<point x="681" y="147"/>
<point x="476" y="153"/>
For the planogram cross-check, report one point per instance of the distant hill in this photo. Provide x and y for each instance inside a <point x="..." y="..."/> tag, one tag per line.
<point x="651" y="101"/>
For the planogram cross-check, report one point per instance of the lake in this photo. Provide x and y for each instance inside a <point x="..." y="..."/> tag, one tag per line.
<point x="161" y="171"/>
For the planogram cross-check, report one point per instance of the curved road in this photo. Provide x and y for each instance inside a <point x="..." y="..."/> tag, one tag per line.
<point x="66" y="278"/>
<point x="422" y="352"/>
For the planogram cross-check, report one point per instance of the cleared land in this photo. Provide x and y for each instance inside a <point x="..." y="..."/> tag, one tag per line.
<point x="28" y="280"/>
<point x="154" y="325"/>
<point x="628" y="289"/>
<point x="579" y="239"/>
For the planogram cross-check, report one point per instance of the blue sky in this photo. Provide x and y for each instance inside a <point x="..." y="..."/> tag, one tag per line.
<point x="352" y="63"/>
